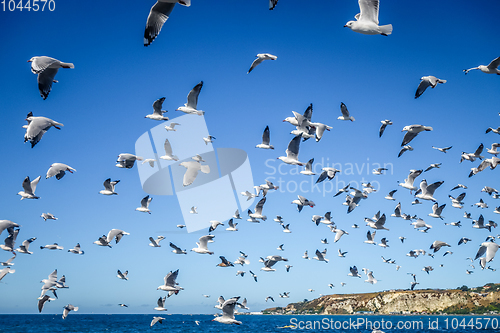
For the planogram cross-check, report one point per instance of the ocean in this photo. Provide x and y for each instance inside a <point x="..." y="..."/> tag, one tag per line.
<point x="250" y="323"/>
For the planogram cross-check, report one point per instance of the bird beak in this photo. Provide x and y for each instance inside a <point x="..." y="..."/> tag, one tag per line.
<point x="345" y="26"/>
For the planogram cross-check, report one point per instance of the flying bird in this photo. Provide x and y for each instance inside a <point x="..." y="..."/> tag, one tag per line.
<point x="192" y="171"/>
<point x="412" y="131"/>
<point x="46" y="68"/>
<point x="367" y="20"/>
<point x="36" y="128"/>
<point x="260" y="58"/>
<point x="426" y="82"/>
<point x="385" y="123"/>
<point x="145" y="205"/>
<point x="345" y="113"/>
<point x="192" y="101"/>
<point x="58" y="170"/>
<point x="491" y="68"/>
<point x="266" y="140"/>
<point x="29" y="188"/>
<point x="127" y="161"/>
<point x="67" y="309"/>
<point x="157" y="111"/>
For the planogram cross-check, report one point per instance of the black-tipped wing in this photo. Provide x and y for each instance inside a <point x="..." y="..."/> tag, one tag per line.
<point x="158" y="15"/>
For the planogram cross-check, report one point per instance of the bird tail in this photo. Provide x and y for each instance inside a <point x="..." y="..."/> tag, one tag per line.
<point x="386" y="29"/>
<point x="200" y="113"/>
<point x="67" y="65"/>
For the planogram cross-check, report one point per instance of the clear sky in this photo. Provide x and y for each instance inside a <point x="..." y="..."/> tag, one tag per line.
<point x="103" y="100"/>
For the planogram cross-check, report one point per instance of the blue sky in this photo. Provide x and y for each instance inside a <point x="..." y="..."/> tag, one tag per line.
<point x="103" y="101"/>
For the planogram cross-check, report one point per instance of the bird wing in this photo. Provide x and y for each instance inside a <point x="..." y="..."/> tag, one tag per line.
<point x="272" y="4"/>
<point x="266" y="138"/>
<point x="432" y="187"/>
<point x="424" y="84"/>
<point x="292" y="150"/>
<point x="228" y="307"/>
<point x="45" y="80"/>
<point x="157" y="105"/>
<point x="260" y="205"/>
<point x="168" y="148"/>
<point x="27" y="185"/>
<point x="145" y="201"/>
<point x="204" y="241"/>
<point x="42" y="63"/>
<point x="192" y="99"/>
<point x="479" y="149"/>
<point x="343" y="108"/>
<point x="191" y="172"/>
<point x="254" y="64"/>
<point x="170" y="278"/>
<point x="158" y="15"/>
<point x="494" y="63"/>
<point x="368" y="11"/>
<point x="381" y="130"/>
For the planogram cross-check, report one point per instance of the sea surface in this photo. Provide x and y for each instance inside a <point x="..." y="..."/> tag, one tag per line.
<point x="250" y="323"/>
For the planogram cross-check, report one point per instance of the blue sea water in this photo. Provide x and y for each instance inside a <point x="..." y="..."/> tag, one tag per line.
<point x="250" y="323"/>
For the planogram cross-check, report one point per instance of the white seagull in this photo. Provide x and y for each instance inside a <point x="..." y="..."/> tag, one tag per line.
<point x="76" y="249"/>
<point x="29" y="188"/>
<point x="169" y="283"/>
<point x="121" y="275"/>
<point x="192" y="101"/>
<point x="127" y="161"/>
<point x="145" y="204"/>
<point x="427" y="81"/>
<point x="171" y="127"/>
<point x="48" y="216"/>
<point x="412" y="131"/>
<point x="157" y="111"/>
<point x="228" y="312"/>
<point x="176" y="249"/>
<point x="367" y="20"/>
<point x="385" y="123"/>
<point x="292" y="152"/>
<point x="47" y="68"/>
<point x="67" y="309"/>
<point x="266" y="140"/>
<point x="192" y="171"/>
<point x="202" y="245"/>
<point x="156" y="242"/>
<point x="58" y="170"/>
<point x="492" y="67"/>
<point x="345" y="113"/>
<point x="109" y="187"/>
<point x="426" y="192"/>
<point x="260" y="58"/>
<point x="36" y="128"/>
<point x="169" y="155"/>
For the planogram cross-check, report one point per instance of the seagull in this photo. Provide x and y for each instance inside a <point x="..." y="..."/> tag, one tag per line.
<point x="9" y="262"/>
<point x="370" y="238"/>
<point x="158" y="15"/>
<point x="320" y="256"/>
<point x="402" y="239"/>
<point x="426" y="192"/>
<point x="266" y="139"/>
<point x="121" y="275"/>
<point x="285" y="294"/>
<point x="48" y="216"/>
<point x="36" y="128"/>
<point x="224" y="262"/>
<point x="301" y="202"/>
<point x="269" y="298"/>
<point x="67" y="309"/>
<point x="258" y="210"/>
<point x="421" y="224"/>
<point x="228" y="312"/>
<point x="202" y="245"/>
<point x="412" y="131"/>
<point x="288" y="268"/>
<point x="390" y="195"/>
<point x="447" y="252"/>
<point x="426" y="82"/>
<point x="46" y="68"/>
<point x="292" y="152"/>
<point x="459" y="186"/>
<point x="156" y="242"/>
<point x="286" y="228"/>
<point x="378" y="171"/>
<point x="192" y="101"/>
<point x="170" y="285"/>
<point x="24" y="248"/>
<point x="488" y="162"/>
<point x="249" y="195"/>
<point x="432" y="166"/>
<point x="492" y="67"/>
<point x="213" y="225"/>
<point x="29" y="188"/>
<point x="156" y="320"/>
<point x="342" y="254"/>
<point x="378" y="224"/>
<point x="404" y="149"/>
<point x="145" y="204"/>
<point x="54" y="246"/>
<point x="444" y="150"/>
<point x="427" y="269"/>
<point x="127" y="161"/>
<point x="109" y="187"/>
<point x="58" y="170"/>
<point x="253" y="275"/>
<point x="260" y="58"/>
<point x="408" y="182"/>
<point x="370" y="279"/>
<point x="455" y="224"/>
<point x="481" y="204"/>
<point x="436" y="210"/>
<point x="327" y="172"/>
<point x="339" y="233"/>
<point x="345" y="113"/>
<point x="270" y="262"/>
<point x="383" y="126"/>
<point x="237" y="215"/>
<point x="241" y="261"/>
<point x="367" y="20"/>
<point x="354" y="272"/>
<point x="306" y="256"/>
<point x="171" y="127"/>
<point x="383" y="242"/>
<point x="479" y="224"/>
<point x="438" y="245"/>
<point x="157" y="111"/>
<point x="324" y="241"/>
<point x="50" y="283"/>
<point x="472" y="156"/>
<point x="192" y="171"/>
<point x="457" y="202"/>
<point x="464" y="240"/>
<point x="494" y="130"/>
<point x="176" y="249"/>
<point x="42" y="300"/>
<point x="76" y="249"/>
<point x="489" y="190"/>
<point x="242" y="273"/>
<point x="232" y="226"/>
<point x="489" y="249"/>
<point x="308" y="168"/>
<point x="115" y="234"/>
<point x="209" y="139"/>
<point x="169" y="155"/>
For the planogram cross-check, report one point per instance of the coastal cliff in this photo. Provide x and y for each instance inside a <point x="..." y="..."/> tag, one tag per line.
<point x="476" y="300"/>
